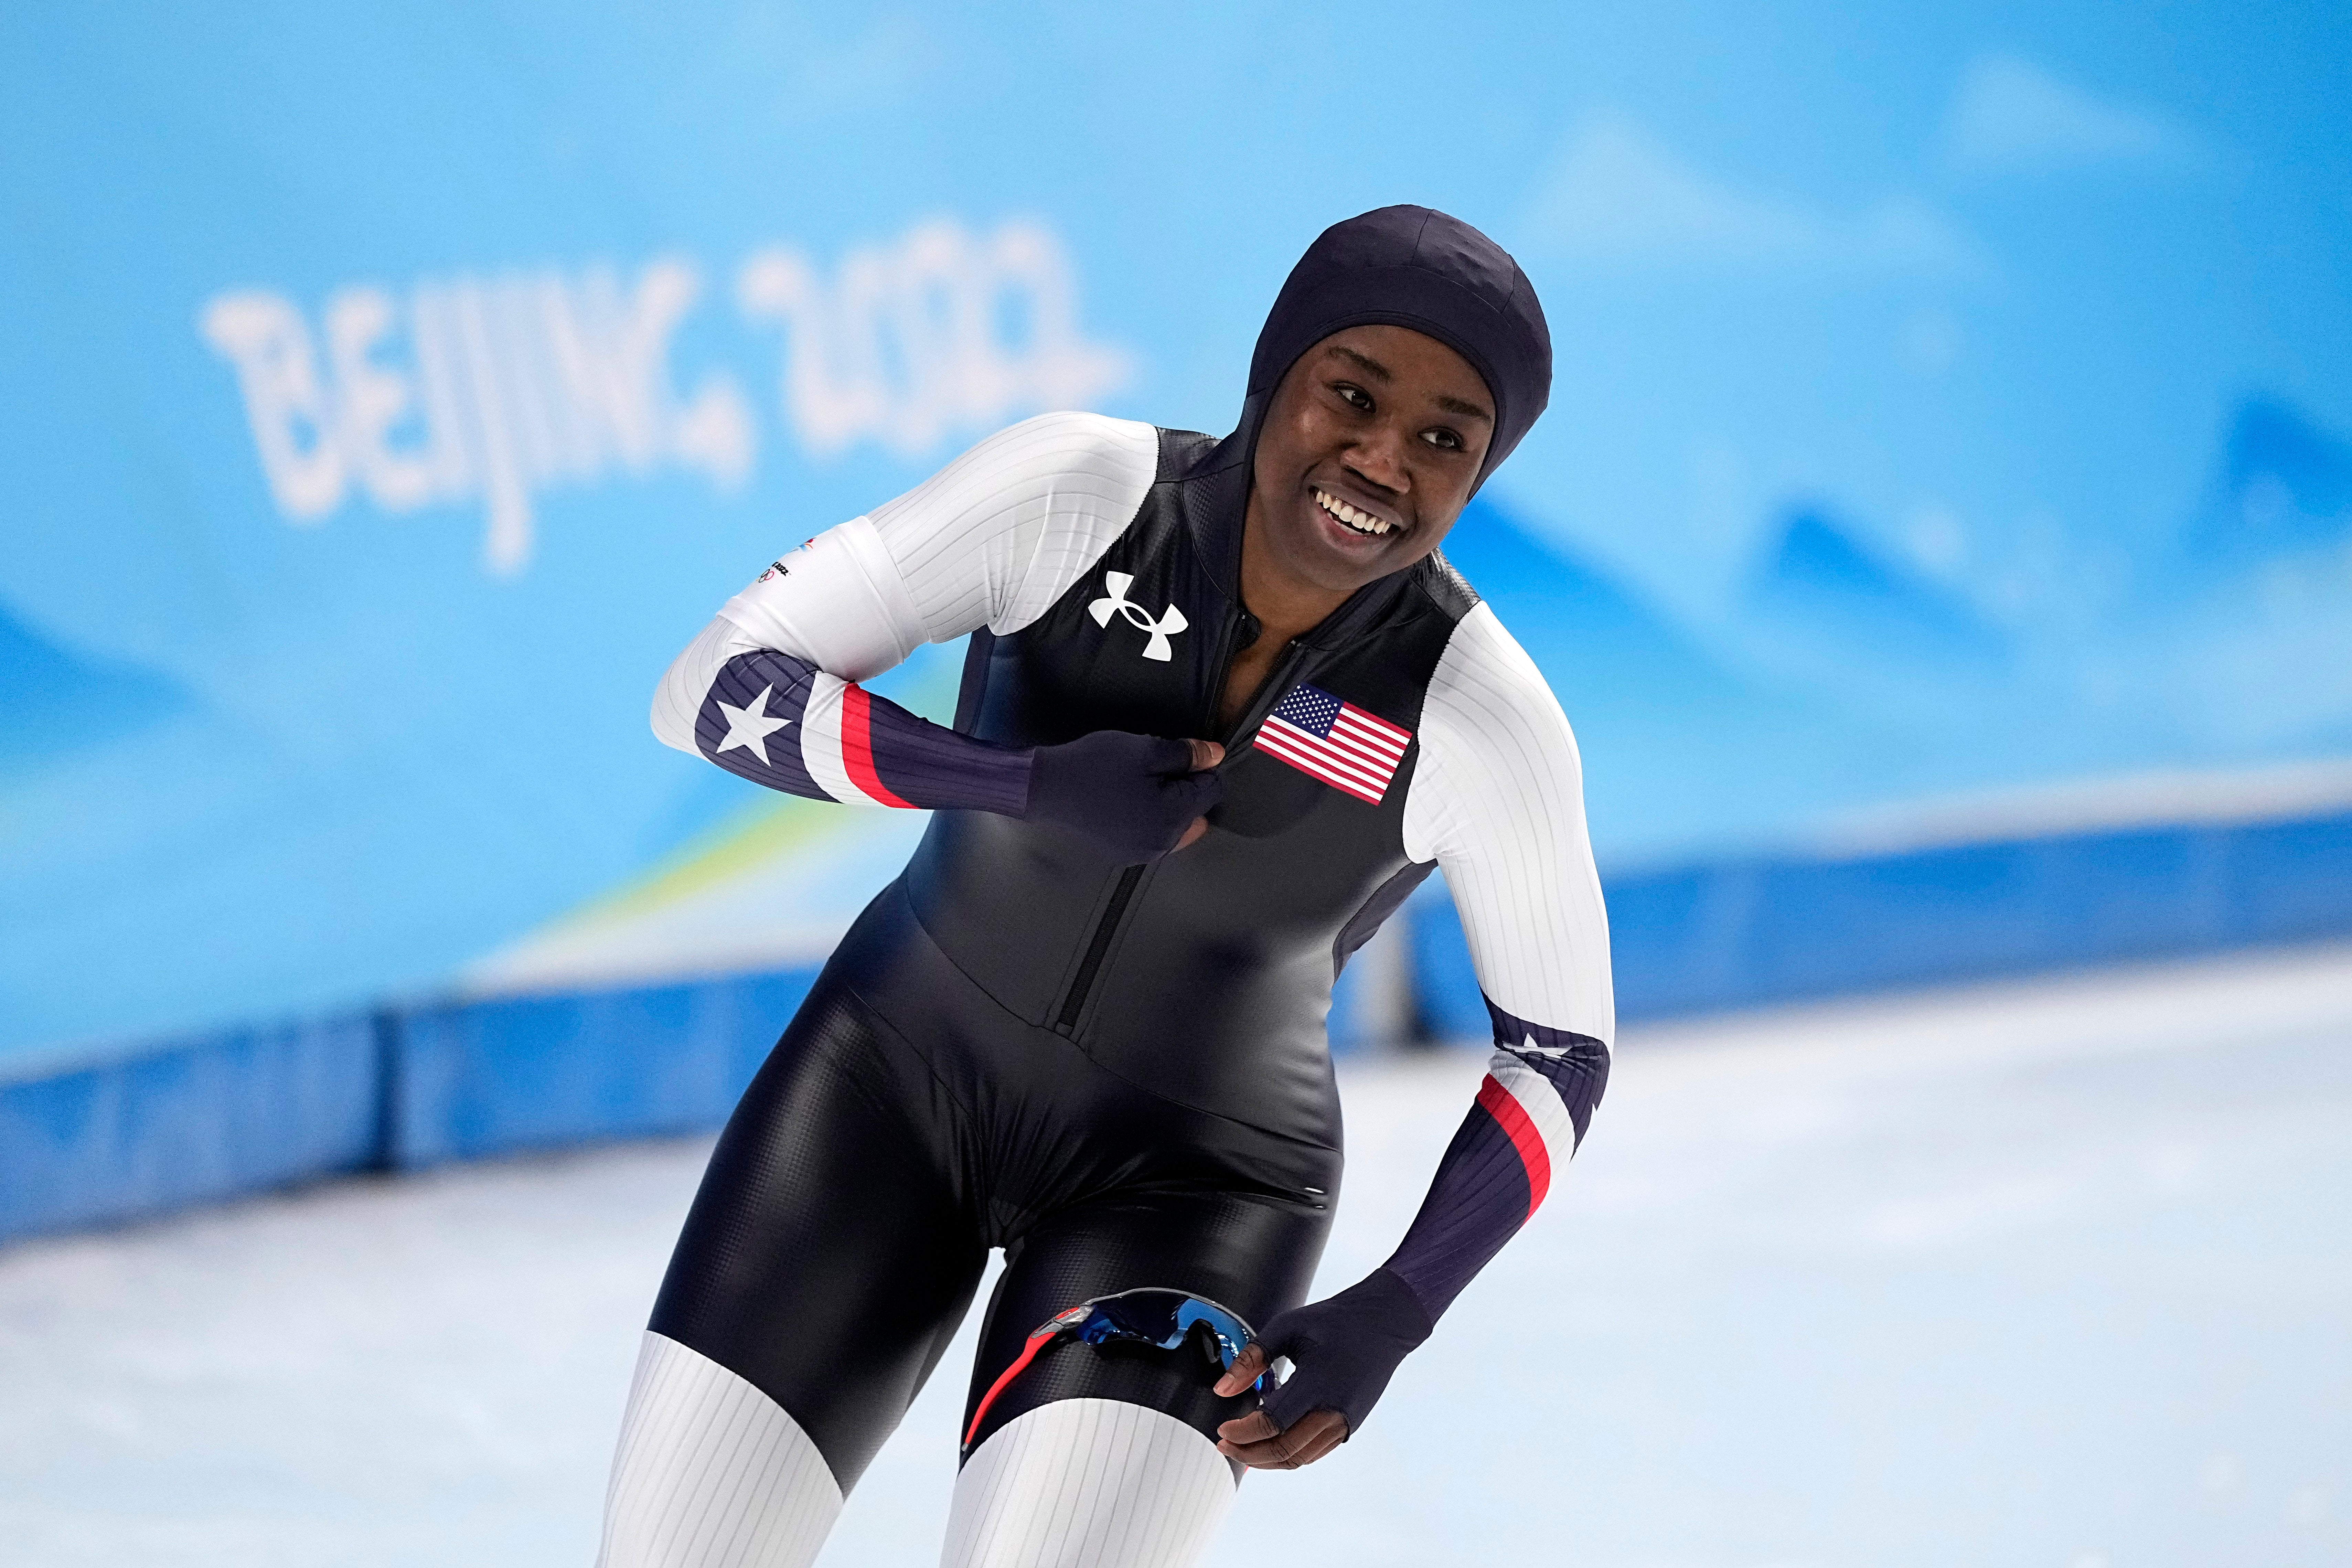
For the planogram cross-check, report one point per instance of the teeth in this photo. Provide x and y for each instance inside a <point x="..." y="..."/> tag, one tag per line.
<point x="1361" y="521"/>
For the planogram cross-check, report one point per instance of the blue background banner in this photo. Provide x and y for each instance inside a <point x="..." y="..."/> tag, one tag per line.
<point x="1951" y="426"/>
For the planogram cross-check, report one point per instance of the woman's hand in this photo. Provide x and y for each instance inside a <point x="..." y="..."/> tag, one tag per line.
<point x="1257" y="1441"/>
<point x="1343" y="1352"/>
<point x="1139" y="797"/>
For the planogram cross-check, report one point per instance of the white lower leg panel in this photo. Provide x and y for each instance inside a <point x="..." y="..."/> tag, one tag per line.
<point x="1088" y="1483"/>
<point x="711" y="1473"/>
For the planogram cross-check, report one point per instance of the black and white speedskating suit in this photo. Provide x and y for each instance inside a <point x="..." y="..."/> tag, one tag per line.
<point x="1118" y="1072"/>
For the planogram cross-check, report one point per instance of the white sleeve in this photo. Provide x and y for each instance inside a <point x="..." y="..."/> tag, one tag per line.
<point x="994" y="539"/>
<point x="999" y="534"/>
<point x="1498" y="800"/>
<point x="678" y="700"/>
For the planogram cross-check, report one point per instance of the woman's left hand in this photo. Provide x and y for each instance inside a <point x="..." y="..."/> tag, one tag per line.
<point x="1342" y="1352"/>
<point x="1257" y="1441"/>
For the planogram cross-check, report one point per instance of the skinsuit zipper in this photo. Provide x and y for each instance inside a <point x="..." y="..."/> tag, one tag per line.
<point x="1099" y="946"/>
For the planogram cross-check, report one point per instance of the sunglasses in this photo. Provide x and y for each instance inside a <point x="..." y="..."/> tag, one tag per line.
<point x="1152" y="1317"/>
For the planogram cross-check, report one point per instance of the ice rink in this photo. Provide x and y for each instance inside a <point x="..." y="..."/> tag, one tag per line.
<point x="2054" y="1275"/>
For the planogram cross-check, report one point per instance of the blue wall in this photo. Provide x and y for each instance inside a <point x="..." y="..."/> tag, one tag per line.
<point x="207" y="1119"/>
<point x="1743" y="931"/>
<point x="489" y="1078"/>
<point x="196" y="1119"/>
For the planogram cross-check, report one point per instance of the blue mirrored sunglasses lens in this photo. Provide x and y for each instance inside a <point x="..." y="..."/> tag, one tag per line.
<point x="1231" y="1335"/>
<point x="1165" y="1318"/>
<point x="1153" y="1323"/>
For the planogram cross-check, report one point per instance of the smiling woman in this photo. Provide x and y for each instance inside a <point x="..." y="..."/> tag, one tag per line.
<point x="1224" y="708"/>
<point x="1383" y="429"/>
<point x="1374" y="442"/>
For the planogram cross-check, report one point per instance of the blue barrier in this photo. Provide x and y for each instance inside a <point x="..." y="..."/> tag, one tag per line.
<point x="242" y="1111"/>
<point x="531" y="1072"/>
<point x="1742" y="932"/>
<point x="190" y="1122"/>
<point x="210" y="1118"/>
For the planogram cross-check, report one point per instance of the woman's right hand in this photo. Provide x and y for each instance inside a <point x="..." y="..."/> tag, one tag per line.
<point x="1139" y="797"/>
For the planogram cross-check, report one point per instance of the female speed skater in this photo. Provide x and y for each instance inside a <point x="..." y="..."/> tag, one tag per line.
<point x="1224" y="708"/>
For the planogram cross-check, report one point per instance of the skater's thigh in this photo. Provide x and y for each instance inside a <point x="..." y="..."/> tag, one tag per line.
<point x="1092" y="1460"/>
<point x="1249" y="1251"/>
<point x="826" y="1259"/>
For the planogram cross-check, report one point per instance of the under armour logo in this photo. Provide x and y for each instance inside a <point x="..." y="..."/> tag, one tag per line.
<point x="1136" y="615"/>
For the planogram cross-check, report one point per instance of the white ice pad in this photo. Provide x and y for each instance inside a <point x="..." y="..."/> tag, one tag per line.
<point x="2032" y="1273"/>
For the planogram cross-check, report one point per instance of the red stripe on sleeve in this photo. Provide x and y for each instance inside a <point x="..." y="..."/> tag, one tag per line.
<point x="857" y="746"/>
<point x="1520" y="1128"/>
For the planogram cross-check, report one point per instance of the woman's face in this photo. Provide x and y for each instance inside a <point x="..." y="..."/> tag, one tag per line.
<point x="1367" y="453"/>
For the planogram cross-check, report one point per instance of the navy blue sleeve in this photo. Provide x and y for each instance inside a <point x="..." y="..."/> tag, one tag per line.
<point x="1541" y="1086"/>
<point x="780" y="722"/>
<point x="1535" y="1104"/>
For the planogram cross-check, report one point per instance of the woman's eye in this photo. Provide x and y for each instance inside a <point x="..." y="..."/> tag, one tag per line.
<point x="1355" y="397"/>
<point x="1445" y="438"/>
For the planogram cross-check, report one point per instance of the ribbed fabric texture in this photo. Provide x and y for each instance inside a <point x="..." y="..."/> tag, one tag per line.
<point x="1477" y="1201"/>
<point x="1498" y="801"/>
<point x="678" y="700"/>
<point x="994" y="539"/>
<point x="1088" y="1483"/>
<point x="1575" y="1067"/>
<point x="837" y="602"/>
<point x="1531" y="1112"/>
<point x="711" y="1473"/>
<point x="999" y="534"/>
<point x="991" y="540"/>
<point x="778" y="720"/>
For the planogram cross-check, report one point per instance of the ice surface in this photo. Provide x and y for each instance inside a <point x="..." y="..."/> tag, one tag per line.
<point x="2043" y="1274"/>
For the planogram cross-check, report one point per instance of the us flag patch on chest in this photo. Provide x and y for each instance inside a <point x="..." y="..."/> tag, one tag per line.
<point x="1334" y="741"/>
